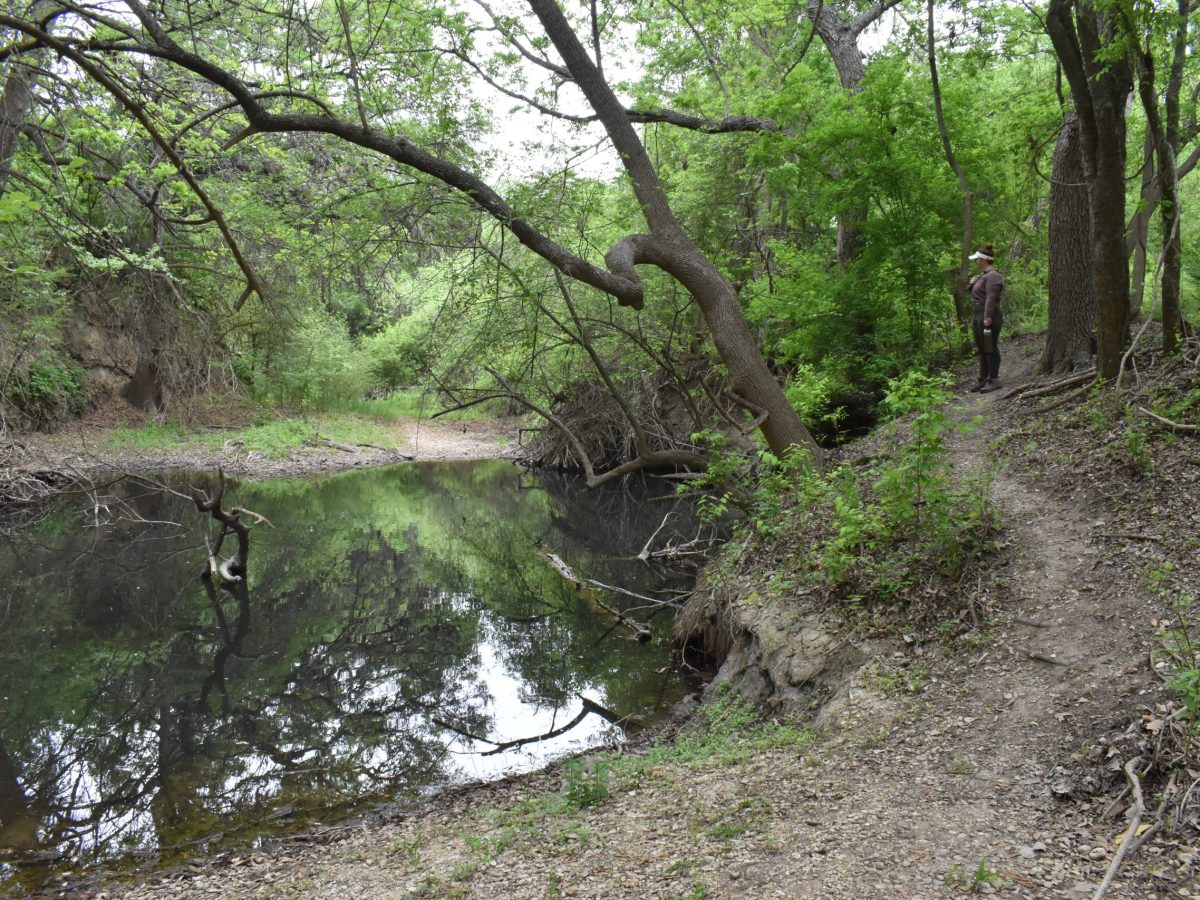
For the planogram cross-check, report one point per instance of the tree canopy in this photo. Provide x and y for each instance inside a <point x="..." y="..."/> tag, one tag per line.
<point x="762" y="211"/>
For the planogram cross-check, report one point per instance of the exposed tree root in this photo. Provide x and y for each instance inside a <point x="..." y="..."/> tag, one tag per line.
<point x="1021" y="393"/>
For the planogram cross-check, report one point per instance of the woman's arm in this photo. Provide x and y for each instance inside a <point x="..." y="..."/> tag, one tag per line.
<point x="992" y="297"/>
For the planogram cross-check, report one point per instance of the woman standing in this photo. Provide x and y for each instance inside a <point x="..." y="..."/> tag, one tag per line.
<point x="987" y="289"/>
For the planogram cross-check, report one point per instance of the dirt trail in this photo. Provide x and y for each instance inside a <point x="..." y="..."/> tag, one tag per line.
<point x="944" y="771"/>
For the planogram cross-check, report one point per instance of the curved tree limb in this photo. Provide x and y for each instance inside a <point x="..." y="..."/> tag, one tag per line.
<point x="397" y="147"/>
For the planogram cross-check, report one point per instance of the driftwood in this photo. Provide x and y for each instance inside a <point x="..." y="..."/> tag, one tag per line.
<point x="1027" y="393"/>
<point x="640" y="631"/>
<point x="347" y="448"/>
<point x="233" y="569"/>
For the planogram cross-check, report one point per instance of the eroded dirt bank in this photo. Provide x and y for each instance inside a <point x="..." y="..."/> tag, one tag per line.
<point x="936" y="767"/>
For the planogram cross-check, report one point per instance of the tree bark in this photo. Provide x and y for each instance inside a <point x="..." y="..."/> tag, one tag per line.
<point x="16" y="100"/>
<point x="1099" y="88"/>
<point x="1172" y="314"/>
<point x="1071" y="304"/>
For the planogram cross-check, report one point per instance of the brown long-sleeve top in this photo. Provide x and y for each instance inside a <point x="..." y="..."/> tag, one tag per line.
<point x="985" y="294"/>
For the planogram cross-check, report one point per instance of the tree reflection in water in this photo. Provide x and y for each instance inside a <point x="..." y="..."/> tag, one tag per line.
<point x="388" y="614"/>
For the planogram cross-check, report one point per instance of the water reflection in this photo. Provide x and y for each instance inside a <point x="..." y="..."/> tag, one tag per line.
<point x="396" y="630"/>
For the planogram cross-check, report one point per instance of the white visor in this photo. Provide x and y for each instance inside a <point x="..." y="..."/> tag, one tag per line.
<point x="979" y="254"/>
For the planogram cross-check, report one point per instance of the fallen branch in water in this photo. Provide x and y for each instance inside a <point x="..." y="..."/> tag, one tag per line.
<point x="641" y="632"/>
<point x="233" y="569"/>
<point x="644" y="556"/>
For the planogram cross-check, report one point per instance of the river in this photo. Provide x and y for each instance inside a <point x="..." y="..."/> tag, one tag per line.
<point x="398" y="629"/>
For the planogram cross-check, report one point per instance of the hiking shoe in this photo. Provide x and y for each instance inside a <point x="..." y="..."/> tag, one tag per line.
<point x="977" y="387"/>
<point x="989" y="386"/>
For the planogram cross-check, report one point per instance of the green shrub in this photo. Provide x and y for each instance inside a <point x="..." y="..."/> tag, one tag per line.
<point x="872" y="531"/>
<point x="51" y="387"/>
<point x="587" y="784"/>
<point x="399" y="355"/>
<point x="319" y="367"/>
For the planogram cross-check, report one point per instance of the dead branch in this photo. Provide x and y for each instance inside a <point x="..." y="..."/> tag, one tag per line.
<point x="1135" y="819"/>
<point x="233" y="569"/>
<point x="644" y="556"/>
<point x="1041" y="657"/>
<point x="1022" y="393"/>
<point x="1132" y="536"/>
<point x="640" y="631"/>
<point x="1176" y="426"/>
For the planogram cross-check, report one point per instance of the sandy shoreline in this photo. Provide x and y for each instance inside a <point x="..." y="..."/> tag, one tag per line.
<point x="88" y="449"/>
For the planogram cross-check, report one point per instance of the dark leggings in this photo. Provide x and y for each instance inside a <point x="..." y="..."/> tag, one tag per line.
<point x="989" y="363"/>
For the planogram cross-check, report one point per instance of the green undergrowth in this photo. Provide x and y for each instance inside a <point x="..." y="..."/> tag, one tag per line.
<point x="413" y="404"/>
<point x="870" y="532"/>
<point x="272" y="438"/>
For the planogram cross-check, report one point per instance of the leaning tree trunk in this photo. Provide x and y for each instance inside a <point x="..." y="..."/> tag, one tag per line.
<point x="669" y="248"/>
<point x="1072" y="304"/>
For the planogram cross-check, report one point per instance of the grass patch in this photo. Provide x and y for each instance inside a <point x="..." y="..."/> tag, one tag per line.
<point x="274" y="439"/>
<point x="153" y="436"/>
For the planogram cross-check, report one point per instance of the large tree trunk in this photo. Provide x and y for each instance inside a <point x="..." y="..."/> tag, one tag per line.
<point x="1110" y="272"/>
<point x="17" y="98"/>
<point x="1083" y="39"/>
<point x="1072" y="305"/>
<point x="14" y="106"/>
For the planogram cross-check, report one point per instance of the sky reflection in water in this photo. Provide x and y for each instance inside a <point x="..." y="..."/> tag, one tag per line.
<point x="395" y="625"/>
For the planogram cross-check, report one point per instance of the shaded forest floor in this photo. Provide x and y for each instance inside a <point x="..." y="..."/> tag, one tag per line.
<point x="985" y="762"/>
<point x="117" y="437"/>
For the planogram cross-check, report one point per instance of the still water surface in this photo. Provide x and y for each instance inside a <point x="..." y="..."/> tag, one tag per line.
<point x="397" y="624"/>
